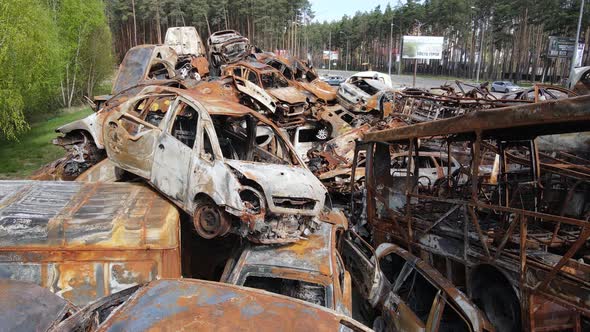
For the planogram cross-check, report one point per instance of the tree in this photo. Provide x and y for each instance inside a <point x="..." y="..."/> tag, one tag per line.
<point x="30" y="61"/>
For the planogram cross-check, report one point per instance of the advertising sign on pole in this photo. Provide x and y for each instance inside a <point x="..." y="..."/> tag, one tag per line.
<point x="561" y="47"/>
<point x="422" y="47"/>
<point x="327" y="55"/>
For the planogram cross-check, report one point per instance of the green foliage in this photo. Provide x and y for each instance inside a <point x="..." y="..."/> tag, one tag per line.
<point x="34" y="149"/>
<point x="30" y="62"/>
<point x="43" y="46"/>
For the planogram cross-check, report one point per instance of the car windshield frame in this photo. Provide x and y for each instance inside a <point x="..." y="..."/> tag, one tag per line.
<point x="278" y="81"/>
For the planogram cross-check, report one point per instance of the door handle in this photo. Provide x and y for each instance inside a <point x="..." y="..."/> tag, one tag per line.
<point x="161" y="146"/>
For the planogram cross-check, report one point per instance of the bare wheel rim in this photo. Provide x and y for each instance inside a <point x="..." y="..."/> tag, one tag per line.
<point x="209" y="222"/>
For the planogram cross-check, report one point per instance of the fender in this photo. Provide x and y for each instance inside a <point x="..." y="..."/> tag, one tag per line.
<point x="89" y="124"/>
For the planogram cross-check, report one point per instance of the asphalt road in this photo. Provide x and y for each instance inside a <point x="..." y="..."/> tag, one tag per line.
<point x="400" y="81"/>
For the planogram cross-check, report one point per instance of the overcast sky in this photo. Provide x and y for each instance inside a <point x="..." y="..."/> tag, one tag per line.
<point x="331" y="10"/>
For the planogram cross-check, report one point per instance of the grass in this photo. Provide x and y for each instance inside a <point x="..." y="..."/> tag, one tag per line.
<point x="34" y="148"/>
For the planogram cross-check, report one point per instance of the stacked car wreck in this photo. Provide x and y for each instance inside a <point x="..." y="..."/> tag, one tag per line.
<point x="448" y="209"/>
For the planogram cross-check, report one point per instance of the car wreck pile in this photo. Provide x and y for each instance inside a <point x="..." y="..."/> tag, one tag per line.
<point x="448" y="209"/>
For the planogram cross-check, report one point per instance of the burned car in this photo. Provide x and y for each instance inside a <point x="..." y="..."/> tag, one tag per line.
<point x="202" y="153"/>
<point x="300" y="74"/>
<point x="291" y="103"/>
<point x="83" y="241"/>
<point x="580" y="81"/>
<point x="366" y="92"/>
<point x="145" y="64"/>
<point x="190" y="304"/>
<point x="309" y="270"/>
<point x="410" y="294"/>
<point x="227" y="46"/>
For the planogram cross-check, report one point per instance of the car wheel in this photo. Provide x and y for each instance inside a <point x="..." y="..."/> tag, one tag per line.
<point x="210" y="221"/>
<point x="506" y="91"/>
<point x="493" y="89"/>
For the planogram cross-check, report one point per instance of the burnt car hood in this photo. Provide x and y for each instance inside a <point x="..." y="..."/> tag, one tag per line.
<point x="289" y="95"/>
<point x="323" y="91"/>
<point x="281" y="181"/>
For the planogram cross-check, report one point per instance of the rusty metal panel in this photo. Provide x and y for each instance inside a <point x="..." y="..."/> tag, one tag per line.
<point x="209" y="306"/>
<point x="86" y="240"/>
<point x="28" y="307"/>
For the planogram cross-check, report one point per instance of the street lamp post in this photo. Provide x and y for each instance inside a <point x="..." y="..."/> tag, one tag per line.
<point x="347" y="53"/>
<point x="390" y="45"/>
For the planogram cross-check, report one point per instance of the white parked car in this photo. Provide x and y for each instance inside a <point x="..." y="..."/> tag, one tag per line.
<point x="504" y="86"/>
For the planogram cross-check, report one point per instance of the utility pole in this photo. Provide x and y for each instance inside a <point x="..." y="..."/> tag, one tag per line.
<point x="330" y="51"/>
<point x="401" y="47"/>
<point x="390" y="45"/>
<point x="575" y="55"/>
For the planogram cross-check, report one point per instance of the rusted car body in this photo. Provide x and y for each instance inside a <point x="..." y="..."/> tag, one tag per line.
<point x="364" y="96"/>
<point x="145" y="64"/>
<point x="309" y="270"/>
<point x="28" y="307"/>
<point x="291" y="102"/>
<point x="199" y="305"/>
<point x="516" y="245"/>
<point x="201" y="151"/>
<point x="86" y="240"/>
<point x="185" y="41"/>
<point x="541" y="92"/>
<point x="410" y="294"/>
<point x="301" y="74"/>
<point x="226" y="47"/>
<point x="580" y="81"/>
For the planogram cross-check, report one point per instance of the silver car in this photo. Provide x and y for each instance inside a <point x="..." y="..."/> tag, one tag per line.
<point x="203" y="154"/>
<point x="504" y="86"/>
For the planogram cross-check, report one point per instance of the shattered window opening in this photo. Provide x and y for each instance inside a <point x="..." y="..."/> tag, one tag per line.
<point x="234" y="133"/>
<point x="185" y="124"/>
<point x="418" y="293"/>
<point x="272" y="80"/>
<point x="302" y="290"/>
<point x="252" y="77"/>
<point x="207" y="147"/>
<point x="392" y="265"/>
<point x="451" y="320"/>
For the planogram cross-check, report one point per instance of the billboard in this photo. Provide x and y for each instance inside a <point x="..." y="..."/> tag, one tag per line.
<point x="561" y="47"/>
<point x="422" y="47"/>
<point x="330" y="55"/>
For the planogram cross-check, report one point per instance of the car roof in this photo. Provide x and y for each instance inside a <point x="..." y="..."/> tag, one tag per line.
<point x="312" y="254"/>
<point x="368" y="74"/>
<point x="70" y="215"/>
<point x="210" y="306"/>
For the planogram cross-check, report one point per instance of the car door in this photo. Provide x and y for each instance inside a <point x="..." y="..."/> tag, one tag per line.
<point x="132" y="132"/>
<point x="358" y="257"/>
<point x="405" y="307"/>
<point x="174" y="151"/>
<point x="209" y="174"/>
